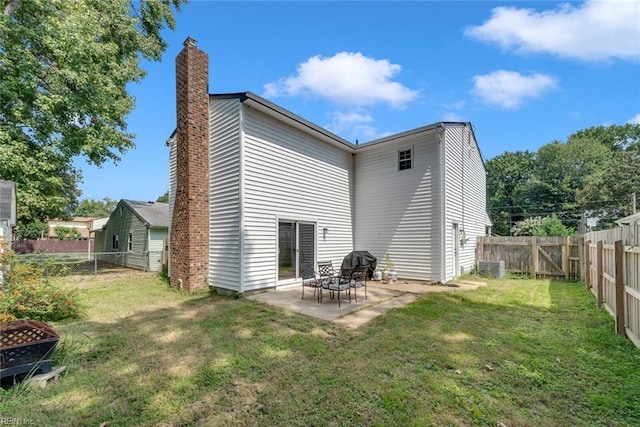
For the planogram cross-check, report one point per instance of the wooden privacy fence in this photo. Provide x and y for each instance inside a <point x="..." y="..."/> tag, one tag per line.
<point x="612" y="270"/>
<point x="538" y="257"/>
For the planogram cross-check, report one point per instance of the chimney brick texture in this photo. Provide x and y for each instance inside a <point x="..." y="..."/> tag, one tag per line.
<point x="190" y="219"/>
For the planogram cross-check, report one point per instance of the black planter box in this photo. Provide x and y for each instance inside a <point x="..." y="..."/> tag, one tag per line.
<point x="26" y="347"/>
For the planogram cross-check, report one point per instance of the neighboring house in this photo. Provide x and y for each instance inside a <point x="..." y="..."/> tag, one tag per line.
<point x="8" y="209"/>
<point x="7" y="217"/>
<point x="256" y="191"/>
<point x="633" y="219"/>
<point x="98" y="224"/>
<point x="82" y="224"/>
<point x="134" y="235"/>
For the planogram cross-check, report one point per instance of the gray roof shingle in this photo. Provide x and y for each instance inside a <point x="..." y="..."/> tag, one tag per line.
<point x="156" y="214"/>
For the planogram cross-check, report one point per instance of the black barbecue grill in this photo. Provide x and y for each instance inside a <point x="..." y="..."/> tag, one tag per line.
<point x="359" y="259"/>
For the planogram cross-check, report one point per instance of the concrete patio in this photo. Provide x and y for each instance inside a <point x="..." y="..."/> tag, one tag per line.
<point x="380" y="298"/>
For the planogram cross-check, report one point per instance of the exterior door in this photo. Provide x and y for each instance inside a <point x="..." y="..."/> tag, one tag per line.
<point x="456" y="249"/>
<point x="296" y="246"/>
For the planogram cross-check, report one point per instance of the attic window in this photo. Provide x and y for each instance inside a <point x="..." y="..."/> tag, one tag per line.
<point x="405" y="159"/>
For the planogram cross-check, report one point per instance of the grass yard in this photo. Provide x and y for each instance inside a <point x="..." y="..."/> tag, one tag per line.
<point x="514" y="353"/>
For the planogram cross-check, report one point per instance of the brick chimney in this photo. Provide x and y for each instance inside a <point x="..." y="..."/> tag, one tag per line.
<point x="189" y="244"/>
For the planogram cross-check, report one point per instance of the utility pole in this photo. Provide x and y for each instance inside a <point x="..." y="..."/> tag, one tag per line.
<point x="633" y="202"/>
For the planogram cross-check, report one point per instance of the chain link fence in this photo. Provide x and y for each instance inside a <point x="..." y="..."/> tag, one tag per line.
<point x="95" y="263"/>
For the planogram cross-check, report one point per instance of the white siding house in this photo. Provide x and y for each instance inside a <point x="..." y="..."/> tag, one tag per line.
<point x="420" y="198"/>
<point x="284" y="192"/>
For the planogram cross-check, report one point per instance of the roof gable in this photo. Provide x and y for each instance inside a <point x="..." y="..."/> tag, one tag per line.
<point x="155" y="214"/>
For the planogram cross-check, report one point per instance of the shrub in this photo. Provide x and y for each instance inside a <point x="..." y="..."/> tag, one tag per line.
<point x="67" y="233"/>
<point x="26" y="294"/>
<point x="539" y="226"/>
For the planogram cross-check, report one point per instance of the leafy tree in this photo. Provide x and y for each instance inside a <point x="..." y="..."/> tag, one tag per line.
<point x="164" y="198"/>
<point x="542" y="226"/>
<point x="625" y="137"/>
<point x="560" y="171"/>
<point x="34" y="230"/>
<point x="64" y="71"/>
<point x="45" y="182"/>
<point x="607" y="192"/>
<point x="596" y="170"/>
<point x="508" y="177"/>
<point x="95" y="208"/>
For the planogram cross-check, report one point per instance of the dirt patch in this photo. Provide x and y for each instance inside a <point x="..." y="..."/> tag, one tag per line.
<point x="423" y="287"/>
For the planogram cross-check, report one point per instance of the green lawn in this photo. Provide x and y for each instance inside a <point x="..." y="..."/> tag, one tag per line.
<point x="516" y="352"/>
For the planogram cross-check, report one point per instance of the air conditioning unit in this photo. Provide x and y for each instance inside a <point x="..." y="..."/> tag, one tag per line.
<point x="8" y="202"/>
<point x="491" y="268"/>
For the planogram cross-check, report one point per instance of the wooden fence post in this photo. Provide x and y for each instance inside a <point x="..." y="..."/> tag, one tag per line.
<point x="534" y="258"/>
<point x="587" y="263"/>
<point x="566" y="250"/>
<point x="620" y="315"/>
<point x="599" y="271"/>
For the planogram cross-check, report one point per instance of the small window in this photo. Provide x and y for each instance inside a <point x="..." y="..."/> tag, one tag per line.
<point x="114" y="241"/>
<point x="405" y="159"/>
<point x="130" y="242"/>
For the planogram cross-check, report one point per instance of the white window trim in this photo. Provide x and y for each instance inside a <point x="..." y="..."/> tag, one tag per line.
<point x="411" y="158"/>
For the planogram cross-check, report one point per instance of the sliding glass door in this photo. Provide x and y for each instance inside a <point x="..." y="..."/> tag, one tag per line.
<point x="296" y="246"/>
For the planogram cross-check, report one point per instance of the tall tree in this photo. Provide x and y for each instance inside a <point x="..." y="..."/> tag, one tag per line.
<point x="596" y="170"/>
<point x="625" y="137"/>
<point x="164" y="198"/>
<point x="64" y="71"/>
<point x="90" y="208"/>
<point x="607" y="193"/>
<point x="560" y="170"/>
<point x="508" y="178"/>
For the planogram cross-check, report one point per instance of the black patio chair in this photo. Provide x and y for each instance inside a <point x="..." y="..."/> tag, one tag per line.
<point x="310" y="279"/>
<point x="330" y="281"/>
<point x="359" y="280"/>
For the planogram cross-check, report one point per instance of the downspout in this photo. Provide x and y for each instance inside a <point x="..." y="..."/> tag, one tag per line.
<point x="148" y="227"/>
<point x="352" y="185"/>
<point x="440" y="131"/>
<point x="464" y="128"/>
<point x="241" y="185"/>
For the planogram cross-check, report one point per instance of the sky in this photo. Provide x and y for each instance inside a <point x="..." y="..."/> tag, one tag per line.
<point x="523" y="73"/>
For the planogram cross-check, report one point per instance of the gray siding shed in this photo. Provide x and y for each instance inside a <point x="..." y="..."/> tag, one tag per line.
<point x="134" y="235"/>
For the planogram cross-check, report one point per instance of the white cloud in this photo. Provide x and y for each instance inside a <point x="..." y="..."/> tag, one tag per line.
<point x="346" y="78"/>
<point x="354" y="125"/>
<point x="509" y="89"/>
<point x="459" y="105"/>
<point x="592" y="31"/>
<point x="635" y="120"/>
<point x="341" y="122"/>
<point x="452" y="117"/>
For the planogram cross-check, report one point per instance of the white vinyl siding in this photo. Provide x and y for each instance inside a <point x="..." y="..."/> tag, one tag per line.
<point x="398" y="211"/>
<point x="173" y="182"/>
<point x="290" y="175"/>
<point x="224" y="202"/>
<point x="265" y="171"/>
<point x="156" y="246"/>
<point x="465" y="200"/>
